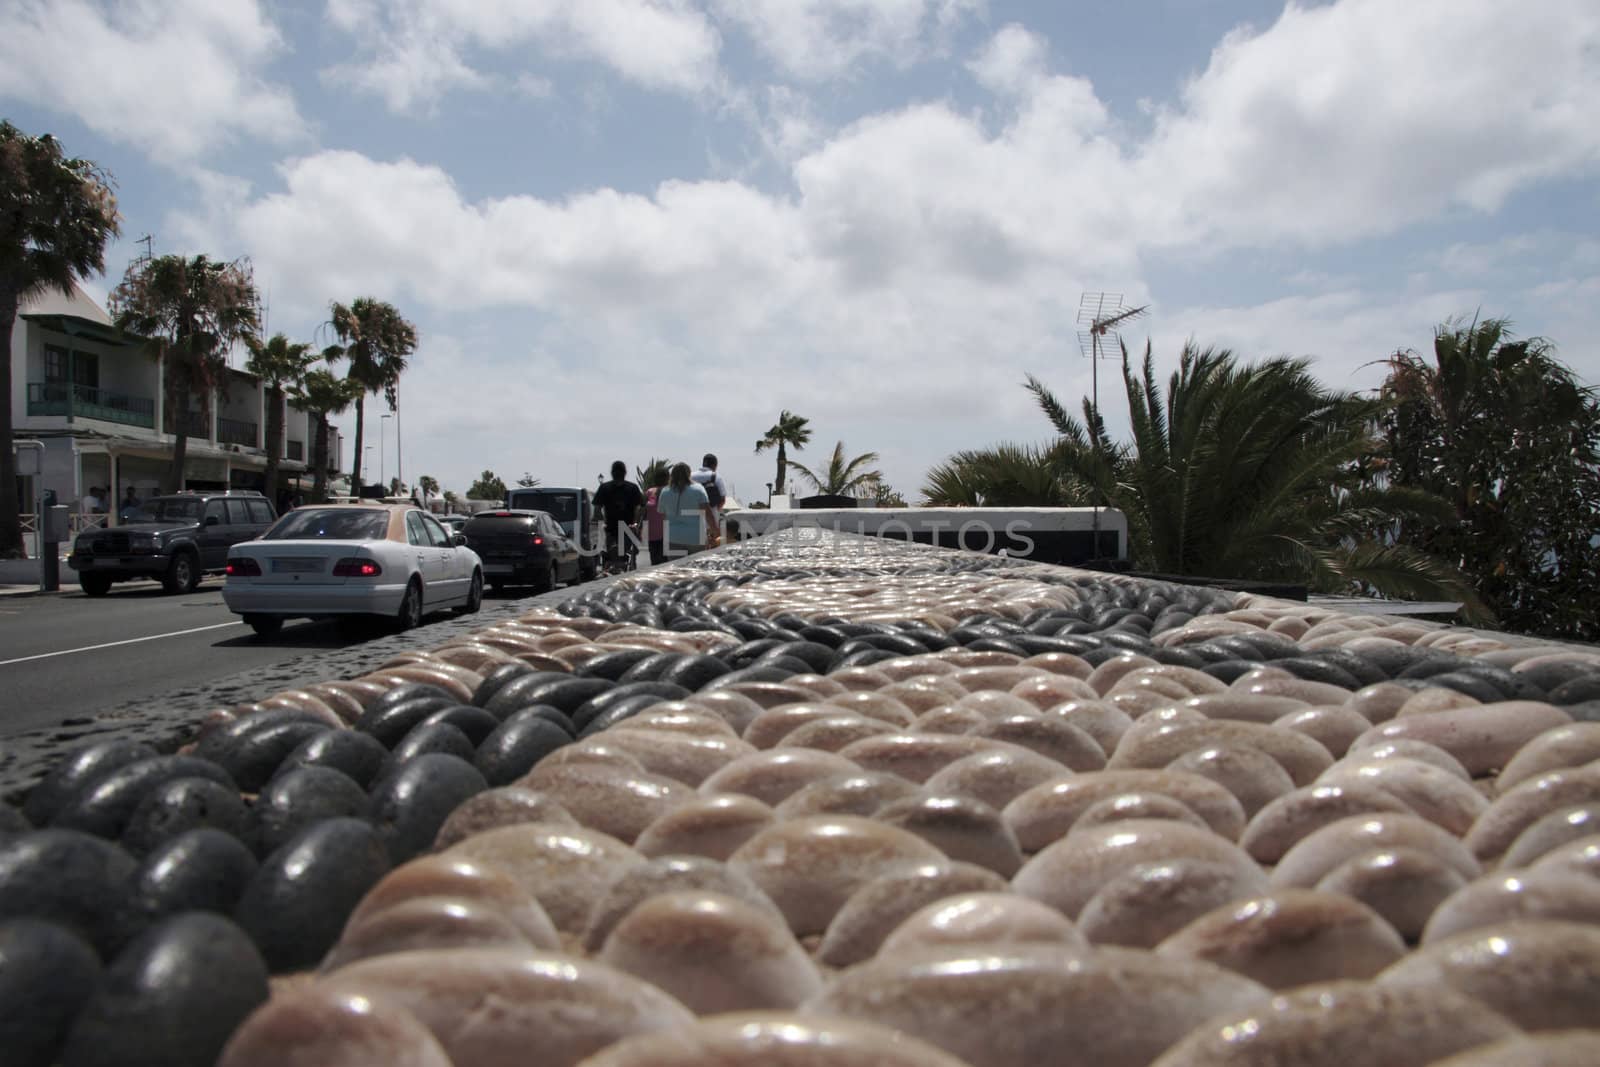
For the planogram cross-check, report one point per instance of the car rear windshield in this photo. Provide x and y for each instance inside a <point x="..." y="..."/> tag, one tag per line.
<point x="497" y="523"/>
<point x="168" y="509"/>
<point x="563" y="507"/>
<point x="330" y="524"/>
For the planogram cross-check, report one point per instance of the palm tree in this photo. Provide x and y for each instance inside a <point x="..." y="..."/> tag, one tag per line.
<point x="1253" y="472"/>
<point x="1006" y="475"/>
<point x="428" y="486"/>
<point x="450" y="499"/>
<point x="656" y="468"/>
<point x="790" y="429"/>
<point x="1511" y="438"/>
<point x="843" y="477"/>
<point x="377" y="341"/>
<point x="190" y="313"/>
<point x="56" y="215"/>
<point x="322" y="394"/>
<point x="280" y="365"/>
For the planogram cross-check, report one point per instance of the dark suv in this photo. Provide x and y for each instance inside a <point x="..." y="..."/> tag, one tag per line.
<point x="522" y="548"/>
<point x="174" y="538"/>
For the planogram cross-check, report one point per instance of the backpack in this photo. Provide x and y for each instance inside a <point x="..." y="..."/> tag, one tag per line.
<point x="713" y="492"/>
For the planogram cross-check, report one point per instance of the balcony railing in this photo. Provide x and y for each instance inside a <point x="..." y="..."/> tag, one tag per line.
<point x="195" y="423"/>
<point x="297" y="451"/>
<point x="64" y="398"/>
<point x="239" y="432"/>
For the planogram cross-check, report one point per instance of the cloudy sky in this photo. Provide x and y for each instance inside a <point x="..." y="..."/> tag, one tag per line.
<point x="634" y="228"/>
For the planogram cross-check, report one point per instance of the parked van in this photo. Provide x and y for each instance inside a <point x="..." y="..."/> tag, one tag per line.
<point x="573" y="510"/>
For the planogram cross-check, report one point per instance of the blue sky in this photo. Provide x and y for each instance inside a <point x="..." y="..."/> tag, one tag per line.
<point x="634" y="228"/>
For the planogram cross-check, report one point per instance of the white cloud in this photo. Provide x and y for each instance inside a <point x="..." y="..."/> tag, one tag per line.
<point x="819" y="39"/>
<point x="1012" y="62"/>
<point x="415" y="51"/>
<point x="1354" y="119"/>
<point x="176" y="78"/>
<point x="919" y="261"/>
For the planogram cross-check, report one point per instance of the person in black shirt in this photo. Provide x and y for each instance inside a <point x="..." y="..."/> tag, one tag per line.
<point x="621" y="506"/>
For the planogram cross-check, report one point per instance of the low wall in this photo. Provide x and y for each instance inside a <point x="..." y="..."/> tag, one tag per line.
<point x="1045" y="535"/>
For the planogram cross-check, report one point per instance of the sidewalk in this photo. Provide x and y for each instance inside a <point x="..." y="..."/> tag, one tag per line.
<point x="20" y="577"/>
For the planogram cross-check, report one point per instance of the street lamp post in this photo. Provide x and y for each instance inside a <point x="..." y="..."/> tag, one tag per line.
<point x="383" y="425"/>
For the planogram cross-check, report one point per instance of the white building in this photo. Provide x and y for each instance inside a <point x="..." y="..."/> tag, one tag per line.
<point x="95" y="399"/>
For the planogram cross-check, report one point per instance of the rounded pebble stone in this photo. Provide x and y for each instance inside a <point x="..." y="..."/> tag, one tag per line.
<point x="409" y="806"/>
<point x="493" y="808"/>
<point x="181" y="805"/>
<point x="846" y="794"/>
<point x="772" y="1039"/>
<point x="712" y="826"/>
<point x="75" y="771"/>
<point x="1541" y="975"/>
<point x="563" y="1007"/>
<point x="1291" y="937"/>
<point x="1404" y="885"/>
<point x="874" y="911"/>
<point x="300" y="798"/>
<point x="1039" y="1003"/>
<point x="565" y="869"/>
<point x="1563" y="1048"/>
<point x="517" y="745"/>
<point x="429" y="923"/>
<point x="297" y="903"/>
<point x="712" y="952"/>
<point x="202" y="870"/>
<point x="1341" y="1023"/>
<point x="962" y="828"/>
<point x="452" y="878"/>
<point x="358" y="755"/>
<point x="670" y="874"/>
<point x="47" y="974"/>
<point x="1068" y="873"/>
<point x="1495" y="898"/>
<point x="316" y="1027"/>
<point x="982" y="919"/>
<point x="1142" y="906"/>
<point x="72" y="878"/>
<point x="810" y="866"/>
<point x="172" y="997"/>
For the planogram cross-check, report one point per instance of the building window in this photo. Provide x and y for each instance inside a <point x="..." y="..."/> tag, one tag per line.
<point x="86" y="369"/>
<point x="55" y="364"/>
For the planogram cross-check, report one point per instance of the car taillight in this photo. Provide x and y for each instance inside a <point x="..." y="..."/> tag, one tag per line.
<point x="243" y="567"/>
<point x="355" y="567"/>
<point x="538" y="540"/>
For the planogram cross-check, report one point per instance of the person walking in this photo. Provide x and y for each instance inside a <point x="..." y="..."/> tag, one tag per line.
<point x="654" y="522"/>
<point x="620" y="503"/>
<point x="691" y="524"/>
<point x="716" y="489"/>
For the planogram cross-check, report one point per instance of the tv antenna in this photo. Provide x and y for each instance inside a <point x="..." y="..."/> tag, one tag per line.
<point x="1102" y="316"/>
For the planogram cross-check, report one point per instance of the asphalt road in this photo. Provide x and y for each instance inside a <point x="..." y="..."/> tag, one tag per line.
<point x="66" y="656"/>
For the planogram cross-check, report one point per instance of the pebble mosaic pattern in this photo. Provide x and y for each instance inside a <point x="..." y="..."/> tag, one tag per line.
<point x="831" y="801"/>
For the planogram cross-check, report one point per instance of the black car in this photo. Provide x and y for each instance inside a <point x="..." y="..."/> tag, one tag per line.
<point x="522" y="548"/>
<point x="174" y="538"/>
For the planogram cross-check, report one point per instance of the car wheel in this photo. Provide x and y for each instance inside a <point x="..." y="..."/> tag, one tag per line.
<point x="95" y="584"/>
<point x="410" y="613"/>
<point x="546" y="580"/>
<point x="474" y="595"/>
<point x="183" y="574"/>
<point x="264" y="625"/>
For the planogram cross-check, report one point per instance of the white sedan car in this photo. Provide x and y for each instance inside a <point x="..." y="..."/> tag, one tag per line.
<point x="390" y="560"/>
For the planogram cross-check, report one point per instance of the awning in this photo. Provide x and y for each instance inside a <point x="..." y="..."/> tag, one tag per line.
<point x="89" y="329"/>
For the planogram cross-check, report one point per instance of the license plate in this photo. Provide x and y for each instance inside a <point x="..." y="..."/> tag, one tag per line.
<point x="497" y="568"/>
<point x="296" y="566"/>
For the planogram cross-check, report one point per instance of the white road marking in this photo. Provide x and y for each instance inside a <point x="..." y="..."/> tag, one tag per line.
<point x="114" y="644"/>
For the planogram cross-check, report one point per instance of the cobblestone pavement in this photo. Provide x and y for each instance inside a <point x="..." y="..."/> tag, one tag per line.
<point x="168" y="720"/>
